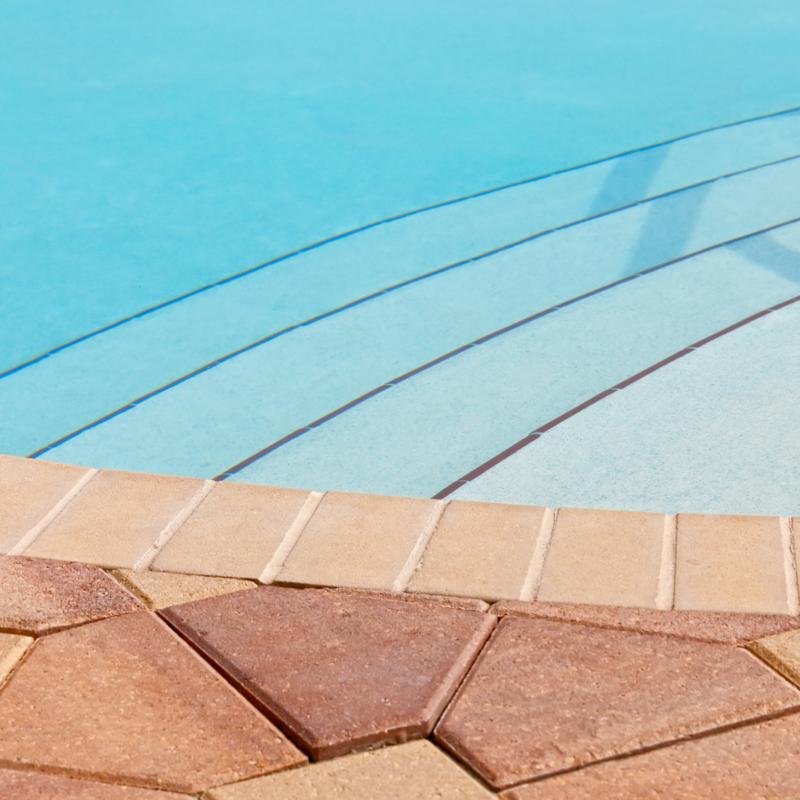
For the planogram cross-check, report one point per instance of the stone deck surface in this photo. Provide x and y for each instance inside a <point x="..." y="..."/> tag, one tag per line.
<point x="164" y="637"/>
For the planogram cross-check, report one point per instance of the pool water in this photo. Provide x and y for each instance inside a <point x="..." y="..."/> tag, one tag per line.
<point x="391" y="249"/>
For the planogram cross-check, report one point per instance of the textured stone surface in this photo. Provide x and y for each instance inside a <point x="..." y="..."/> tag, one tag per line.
<point x="34" y="786"/>
<point x="115" y="518"/>
<point x="357" y="540"/>
<point x="548" y="696"/>
<point x="603" y="557"/>
<point x="40" y="596"/>
<point x="12" y="648"/>
<point x="28" y="491"/>
<point x="162" y="589"/>
<point x="706" y="626"/>
<point x="757" y="761"/>
<point x="417" y="770"/>
<point x="465" y="603"/>
<point x="341" y="672"/>
<point x="124" y="700"/>
<point x="479" y="550"/>
<point x="730" y="563"/>
<point x="234" y="532"/>
<point x="782" y="652"/>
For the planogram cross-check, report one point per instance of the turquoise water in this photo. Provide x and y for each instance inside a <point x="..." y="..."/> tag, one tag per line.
<point x="149" y="152"/>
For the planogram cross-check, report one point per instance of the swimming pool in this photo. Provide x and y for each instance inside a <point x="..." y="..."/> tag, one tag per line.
<point x="480" y="348"/>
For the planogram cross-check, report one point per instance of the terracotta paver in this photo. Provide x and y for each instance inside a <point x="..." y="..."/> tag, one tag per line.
<point x="357" y="540"/>
<point x="341" y="672"/>
<point x="162" y="589"/>
<point x="39" y="596"/>
<point x="730" y="563"/>
<point x="604" y="558"/>
<point x="479" y="550"/>
<point x="116" y="518"/>
<point x="781" y="651"/>
<point x="29" y="489"/>
<point x="125" y="700"/>
<point x="756" y="761"/>
<point x="35" y="786"/>
<point x="234" y="532"/>
<point x="547" y="696"/>
<point x="706" y="626"/>
<point x="417" y="770"/>
<point x="12" y="648"/>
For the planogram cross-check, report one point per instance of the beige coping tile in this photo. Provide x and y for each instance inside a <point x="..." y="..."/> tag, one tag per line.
<point x="730" y="563"/>
<point x="234" y="532"/>
<point x="357" y="540"/>
<point x="29" y="489"/>
<point x="12" y="648"/>
<point x="162" y="589"/>
<point x="782" y="652"/>
<point x="603" y="558"/>
<point x="480" y="550"/>
<point x="115" y="518"/>
<point x="416" y="770"/>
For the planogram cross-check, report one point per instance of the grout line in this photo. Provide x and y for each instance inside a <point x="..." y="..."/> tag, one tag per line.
<point x="790" y="566"/>
<point x="415" y="556"/>
<point x="36" y="531"/>
<point x="665" y="597"/>
<point x="149" y="555"/>
<point x="290" y="538"/>
<point x="530" y="588"/>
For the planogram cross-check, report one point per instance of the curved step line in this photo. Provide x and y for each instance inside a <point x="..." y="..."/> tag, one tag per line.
<point x="352" y="231"/>
<point x="488" y="337"/>
<point x="542" y="429"/>
<point x="233" y="354"/>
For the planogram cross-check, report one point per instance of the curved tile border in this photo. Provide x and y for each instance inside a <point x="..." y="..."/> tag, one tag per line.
<point x="485" y="551"/>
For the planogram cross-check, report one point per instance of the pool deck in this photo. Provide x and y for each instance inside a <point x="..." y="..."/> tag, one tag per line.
<point x="164" y="636"/>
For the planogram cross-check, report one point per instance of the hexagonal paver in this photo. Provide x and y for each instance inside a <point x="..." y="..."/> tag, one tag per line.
<point x="548" y="696"/>
<point x="125" y="700"/>
<point x="12" y="648"/>
<point x="339" y="670"/>
<point x="782" y="652"/>
<point x="706" y="626"/>
<point x="35" y="786"/>
<point x="757" y="761"/>
<point x="39" y="596"/>
<point x="417" y="770"/>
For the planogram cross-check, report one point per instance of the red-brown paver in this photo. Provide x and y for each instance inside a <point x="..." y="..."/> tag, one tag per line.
<point x="757" y="761"/>
<point x="341" y="671"/>
<point x="35" y="786"/>
<point x="705" y="626"/>
<point x="39" y="596"/>
<point x="125" y="700"/>
<point x="549" y="696"/>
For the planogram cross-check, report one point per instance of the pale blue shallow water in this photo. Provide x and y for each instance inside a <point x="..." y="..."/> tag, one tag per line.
<point x="148" y="151"/>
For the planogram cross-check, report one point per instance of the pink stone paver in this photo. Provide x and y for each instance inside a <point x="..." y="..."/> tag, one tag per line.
<point x="125" y="700"/>
<point x="39" y="596"/>
<point x="757" y="761"/>
<point x="547" y="696"/>
<point x="707" y="626"/>
<point x="341" y="671"/>
<point x="35" y="786"/>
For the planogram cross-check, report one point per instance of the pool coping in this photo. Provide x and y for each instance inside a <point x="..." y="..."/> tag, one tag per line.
<point x="486" y="551"/>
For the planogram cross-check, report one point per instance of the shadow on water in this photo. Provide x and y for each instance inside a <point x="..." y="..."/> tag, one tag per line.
<point x="666" y="229"/>
<point x="629" y="179"/>
<point x="669" y="222"/>
<point x="772" y="255"/>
